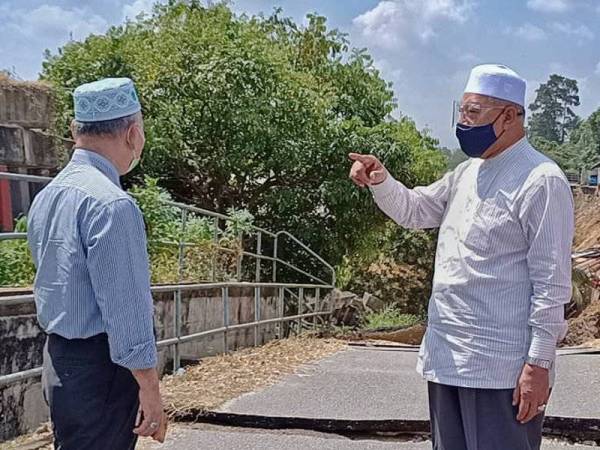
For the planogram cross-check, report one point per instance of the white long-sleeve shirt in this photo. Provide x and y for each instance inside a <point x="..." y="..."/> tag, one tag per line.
<point x="502" y="266"/>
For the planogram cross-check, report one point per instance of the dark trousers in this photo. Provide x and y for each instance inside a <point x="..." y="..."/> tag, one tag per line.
<point x="93" y="402"/>
<point x="479" y="419"/>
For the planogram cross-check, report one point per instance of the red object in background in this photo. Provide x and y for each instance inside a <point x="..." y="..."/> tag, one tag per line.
<point x="6" y="218"/>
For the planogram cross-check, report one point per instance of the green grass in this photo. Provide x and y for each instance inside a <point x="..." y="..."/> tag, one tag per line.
<point x="390" y="317"/>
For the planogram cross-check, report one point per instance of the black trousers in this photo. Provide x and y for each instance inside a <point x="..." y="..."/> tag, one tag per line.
<point x="93" y="402"/>
<point x="479" y="419"/>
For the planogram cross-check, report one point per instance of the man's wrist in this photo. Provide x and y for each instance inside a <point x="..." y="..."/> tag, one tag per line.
<point x="147" y="379"/>
<point x="538" y="362"/>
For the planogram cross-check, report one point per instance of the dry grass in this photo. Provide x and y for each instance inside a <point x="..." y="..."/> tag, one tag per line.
<point x="594" y="343"/>
<point x="41" y="439"/>
<point x="219" y="379"/>
<point x="7" y="81"/>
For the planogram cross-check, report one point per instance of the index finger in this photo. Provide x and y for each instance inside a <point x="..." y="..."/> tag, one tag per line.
<point x="524" y="410"/>
<point x="360" y="157"/>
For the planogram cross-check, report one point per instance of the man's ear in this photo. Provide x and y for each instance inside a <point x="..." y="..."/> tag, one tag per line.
<point x="73" y="132"/>
<point x="130" y="135"/>
<point x="510" y="115"/>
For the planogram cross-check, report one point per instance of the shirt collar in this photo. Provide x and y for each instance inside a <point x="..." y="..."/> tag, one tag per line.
<point x="88" y="157"/>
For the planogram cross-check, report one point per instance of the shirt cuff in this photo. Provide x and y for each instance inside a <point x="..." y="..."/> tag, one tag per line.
<point x="142" y="356"/>
<point x="385" y="188"/>
<point x="542" y="348"/>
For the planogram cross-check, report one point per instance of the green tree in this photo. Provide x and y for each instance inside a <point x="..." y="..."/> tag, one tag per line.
<point x="552" y="115"/>
<point x="583" y="147"/>
<point x="563" y="155"/>
<point x="255" y="113"/>
<point x="453" y="157"/>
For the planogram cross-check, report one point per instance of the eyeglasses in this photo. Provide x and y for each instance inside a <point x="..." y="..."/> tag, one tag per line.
<point x="471" y="112"/>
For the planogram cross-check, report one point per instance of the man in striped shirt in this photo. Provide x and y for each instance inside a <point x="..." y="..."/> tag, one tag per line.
<point x="92" y="288"/>
<point x="502" y="271"/>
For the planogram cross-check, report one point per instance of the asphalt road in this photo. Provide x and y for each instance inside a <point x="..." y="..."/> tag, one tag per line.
<point x="366" y="383"/>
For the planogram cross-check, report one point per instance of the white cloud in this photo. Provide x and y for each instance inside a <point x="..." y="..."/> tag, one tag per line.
<point x="549" y="6"/>
<point x="580" y="32"/>
<point x="394" y="22"/>
<point x="51" y="22"/>
<point x="392" y="73"/>
<point x="528" y="32"/>
<point x="557" y="67"/>
<point x="132" y="10"/>
<point x="597" y="71"/>
<point x="468" y="58"/>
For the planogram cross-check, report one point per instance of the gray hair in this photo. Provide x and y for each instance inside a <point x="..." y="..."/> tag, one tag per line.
<point x="520" y="110"/>
<point x="105" y="127"/>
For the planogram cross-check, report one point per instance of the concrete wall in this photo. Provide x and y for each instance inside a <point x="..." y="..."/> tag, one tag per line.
<point x="26" y="116"/>
<point x="22" y="408"/>
<point x="26" y="148"/>
<point x="26" y="104"/>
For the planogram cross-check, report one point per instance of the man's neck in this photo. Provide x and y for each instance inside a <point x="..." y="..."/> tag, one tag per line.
<point x="493" y="152"/>
<point x="104" y="149"/>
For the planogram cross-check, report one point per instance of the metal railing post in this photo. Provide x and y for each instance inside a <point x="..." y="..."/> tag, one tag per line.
<point x="258" y="252"/>
<point x="256" y="314"/>
<point x="238" y="276"/>
<point x="181" y="267"/>
<point x="280" y="310"/>
<point x="300" y="308"/>
<point x="317" y="307"/>
<point x="275" y="259"/>
<point x="176" y="328"/>
<point x="225" y="293"/>
<point x="215" y="249"/>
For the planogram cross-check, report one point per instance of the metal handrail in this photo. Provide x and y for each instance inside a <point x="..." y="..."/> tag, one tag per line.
<point x="179" y="288"/>
<point x="310" y="251"/>
<point x="20" y="376"/>
<point x="29" y="298"/>
<point x="182" y="339"/>
<point x="241" y="326"/>
<point x="12" y="236"/>
<point x="254" y="255"/>
<point x="213" y="214"/>
<point x="209" y="213"/>
<point x="22" y="177"/>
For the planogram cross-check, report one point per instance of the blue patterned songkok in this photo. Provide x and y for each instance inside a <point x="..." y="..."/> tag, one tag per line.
<point x="107" y="99"/>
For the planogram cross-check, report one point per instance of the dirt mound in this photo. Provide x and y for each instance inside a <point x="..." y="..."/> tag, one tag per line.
<point x="585" y="328"/>
<point x="587" y="222"/>
<point x="408" y="336"/>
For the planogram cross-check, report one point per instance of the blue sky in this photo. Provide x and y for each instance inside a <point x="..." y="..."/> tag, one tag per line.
<point x="425" y="47"/>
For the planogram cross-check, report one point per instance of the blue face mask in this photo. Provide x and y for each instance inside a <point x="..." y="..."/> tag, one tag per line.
<point x="475" y="140"/>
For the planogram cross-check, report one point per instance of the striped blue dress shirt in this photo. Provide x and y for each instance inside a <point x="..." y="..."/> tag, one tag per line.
<point x="88" y="243"/>
<point x="502" y="268"/>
